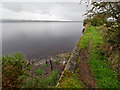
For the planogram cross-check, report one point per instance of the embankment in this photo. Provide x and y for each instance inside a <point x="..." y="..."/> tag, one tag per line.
<point x="87" y="67"/>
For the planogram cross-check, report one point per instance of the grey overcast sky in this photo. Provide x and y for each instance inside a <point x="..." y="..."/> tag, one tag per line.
<point x="43" y="10"/>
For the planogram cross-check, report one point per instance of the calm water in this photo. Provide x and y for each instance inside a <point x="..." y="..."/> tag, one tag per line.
<point x="40" y="39"/>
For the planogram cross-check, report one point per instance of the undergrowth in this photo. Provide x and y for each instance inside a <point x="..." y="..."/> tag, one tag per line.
<point x="39" y="82"/>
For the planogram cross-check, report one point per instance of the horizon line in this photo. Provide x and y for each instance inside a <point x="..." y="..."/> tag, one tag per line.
<point x="10" y="20"/>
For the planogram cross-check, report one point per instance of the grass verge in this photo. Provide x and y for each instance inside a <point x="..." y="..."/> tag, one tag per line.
<point x="70" y="80"/>
<point x="106" y="78"/>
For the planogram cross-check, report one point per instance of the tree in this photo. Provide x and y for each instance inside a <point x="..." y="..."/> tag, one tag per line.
<point x="100" y="13"/>
<point x="111" y="30"/>
<point x="105" y="9"/>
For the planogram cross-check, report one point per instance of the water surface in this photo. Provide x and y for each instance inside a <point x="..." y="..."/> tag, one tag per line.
<point x="40" y="39"/>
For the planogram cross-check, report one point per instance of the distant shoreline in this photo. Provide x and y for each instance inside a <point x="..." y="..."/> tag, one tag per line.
<point x="36" y="21"/>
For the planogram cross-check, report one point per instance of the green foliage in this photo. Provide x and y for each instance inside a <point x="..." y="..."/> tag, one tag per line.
<point x="100" y="13"/>
<point x="68" y="55"/>
<point x="16" y="74"/>
<point x="53" y="78"/>
<point x="42" y="82"/>
<point x="95" y="21"/>
<point x="44" y="65"/>
<point x="70" y="80"/>
<point x="55" y="62"/>
<point x="105" y="10"/>
<point x="111" y="46"/>
<point x="14" y="68"/>
<point x="112" y="34"/>
<point x="40" y="72"/>
<point x="110" y="29"/>
<point x="84" y="45"/>
<point x="105" y="77"/>
<point x="35" y="82"/>
<point x="86" y="38"/>
<point x="29" y="82"/>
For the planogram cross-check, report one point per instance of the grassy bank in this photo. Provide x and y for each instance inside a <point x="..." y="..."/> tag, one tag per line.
<point x="103" y="75"/>
<point x="106" y="78"/>
<point x="70" y="80"/>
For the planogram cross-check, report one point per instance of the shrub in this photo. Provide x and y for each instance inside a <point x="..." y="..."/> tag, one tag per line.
<point x="13" y="67"/>
<point x="53" y="78"/>
<point x="96" y="21"/>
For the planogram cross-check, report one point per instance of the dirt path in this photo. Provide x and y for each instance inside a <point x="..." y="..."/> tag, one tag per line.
<point x="85" y="72"/>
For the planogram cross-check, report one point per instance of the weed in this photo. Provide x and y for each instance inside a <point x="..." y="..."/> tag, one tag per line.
<point x="40" y="72"/>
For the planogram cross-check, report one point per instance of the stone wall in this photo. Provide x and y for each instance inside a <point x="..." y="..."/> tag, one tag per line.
<point x="71" y="64"/>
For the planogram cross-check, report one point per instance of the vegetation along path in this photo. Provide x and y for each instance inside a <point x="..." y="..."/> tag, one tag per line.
<point x="85" y="72"/>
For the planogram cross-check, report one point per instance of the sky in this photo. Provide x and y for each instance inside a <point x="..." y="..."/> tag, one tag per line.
<point x="43" y="10"/>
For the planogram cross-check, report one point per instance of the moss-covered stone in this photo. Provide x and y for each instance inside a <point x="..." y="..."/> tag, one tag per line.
<point x="70" y="80"/>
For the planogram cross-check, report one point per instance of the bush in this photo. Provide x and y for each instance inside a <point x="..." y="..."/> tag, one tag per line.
<point x="86" y="21"/>
<point x="96" y="21"/>
<point x="53" y="78"/>
<point x="13" y="67"/>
